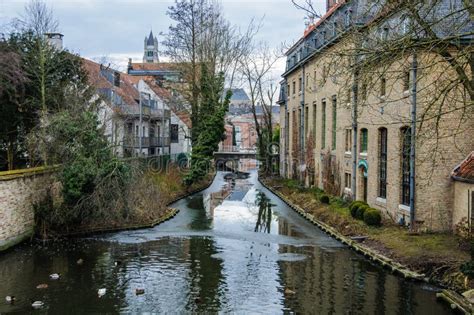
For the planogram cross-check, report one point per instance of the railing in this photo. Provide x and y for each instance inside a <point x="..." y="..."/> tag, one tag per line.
<point x="146" y="142"/>
<point x="150" y="112"/>
<point x="237" y="149"/>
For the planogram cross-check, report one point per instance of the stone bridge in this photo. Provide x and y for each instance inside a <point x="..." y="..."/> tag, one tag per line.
<point x="226" y="155"/>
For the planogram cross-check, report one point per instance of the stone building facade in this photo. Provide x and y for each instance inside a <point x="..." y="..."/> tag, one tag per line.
<point x="351" y="136"/>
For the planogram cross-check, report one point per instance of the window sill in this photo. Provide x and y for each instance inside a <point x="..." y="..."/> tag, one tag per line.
<point x="348" y="153"/>
<point x="363" y="154"/>
<point x="381" y="202"/>
<point x="404" y="208"/>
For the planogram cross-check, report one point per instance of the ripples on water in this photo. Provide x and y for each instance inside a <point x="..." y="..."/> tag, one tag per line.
<point x="234" y="248"/>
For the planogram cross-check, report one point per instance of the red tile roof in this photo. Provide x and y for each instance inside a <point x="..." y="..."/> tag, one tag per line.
<point x="163" y="66"/>
<point x="126" y="90"/>
<point x="465" y="170"/>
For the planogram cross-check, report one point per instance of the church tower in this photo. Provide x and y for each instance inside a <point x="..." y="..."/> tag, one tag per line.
<point x="151" y="49"/>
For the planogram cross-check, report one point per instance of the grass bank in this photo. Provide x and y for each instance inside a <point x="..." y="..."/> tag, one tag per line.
<point x="436" y="255"/>
<point x="148" y="200"/>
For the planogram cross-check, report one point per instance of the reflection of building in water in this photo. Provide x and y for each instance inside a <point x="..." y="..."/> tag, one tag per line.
<point x="213" y="200"/>
<point x="327" y="284"/>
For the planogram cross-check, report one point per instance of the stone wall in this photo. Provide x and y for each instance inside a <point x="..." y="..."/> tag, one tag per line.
<point x="18" y="191"/>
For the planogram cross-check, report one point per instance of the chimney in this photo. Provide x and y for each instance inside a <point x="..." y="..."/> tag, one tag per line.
<point x="55" y="40"/>
<point x="330" y="4"/>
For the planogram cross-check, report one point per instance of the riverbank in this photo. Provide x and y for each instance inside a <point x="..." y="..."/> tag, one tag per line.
<point x="435" y="257"/>
<point x="147" y="213"/>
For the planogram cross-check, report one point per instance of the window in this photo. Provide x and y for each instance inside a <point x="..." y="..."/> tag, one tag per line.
<point x="348" y="96"/>
<point x="363" y="140"/>
<point x="406" y="80"/>
<point x="174" y="133"/>
<point x="323" y="125"/>
<point x="405" y="155"/>
<point x="306" y="118"/>
<point x="294" y="87"/>
<point x="383" y="163"/>
<point x="299" y="84"/>
<point x="347" y="18"/>
<point x="347" y="180"/>
<point x="383" y="86"/>
<point x="288" y="90"/>
<point x="334" y="122"/>
<point x="348" y="140"/>
<point x="137" y="130"/>
<point x="363" y="90"/>
<point x="149" y="53"/>
<point x="152" y="132"/>
<point x="314" y="119"/>
<point x="385" y="31"/>
<point x="334" y="30"/>
<point x="117" y="79"/>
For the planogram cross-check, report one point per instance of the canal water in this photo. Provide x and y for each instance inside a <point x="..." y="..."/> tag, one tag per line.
<point x="234" y="248"/>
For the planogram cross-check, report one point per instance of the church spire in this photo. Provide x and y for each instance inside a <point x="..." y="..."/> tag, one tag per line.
<point x="151" y="49"/>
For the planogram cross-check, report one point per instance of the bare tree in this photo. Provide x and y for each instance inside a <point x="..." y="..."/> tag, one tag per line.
<point x="38" y="18"/>
<point x="256" y="69"/>
<point x="200" y="37"/>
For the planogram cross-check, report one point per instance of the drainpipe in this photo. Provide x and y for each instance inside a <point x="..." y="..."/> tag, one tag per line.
<point x="413" y="142"/>
<point x="140" y="134"/>
<point x="354" y="134"/>
<point x="287" y="134"/>
<point x="302" y="125"/>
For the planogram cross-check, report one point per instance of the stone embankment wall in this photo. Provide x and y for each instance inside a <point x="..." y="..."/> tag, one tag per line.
<point x="19" y="190"/>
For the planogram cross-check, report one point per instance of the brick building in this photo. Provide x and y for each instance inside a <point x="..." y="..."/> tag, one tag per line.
<point x="353" y="138"/>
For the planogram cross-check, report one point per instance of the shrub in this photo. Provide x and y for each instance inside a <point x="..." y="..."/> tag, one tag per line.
<point x="360" y="211"/>
<point x="354" y="207"/>
<point x="324" y="199"/>
<point x="372" y="217"/>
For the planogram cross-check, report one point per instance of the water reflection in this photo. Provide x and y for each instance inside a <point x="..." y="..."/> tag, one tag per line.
<point x="234" y="248"/>
<point x="264" y="218"/>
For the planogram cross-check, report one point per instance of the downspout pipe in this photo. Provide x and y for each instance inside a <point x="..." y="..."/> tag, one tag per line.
<point x="355" y="83"/>
<point x="413" y="141"/>
<point x="302" y="122"/>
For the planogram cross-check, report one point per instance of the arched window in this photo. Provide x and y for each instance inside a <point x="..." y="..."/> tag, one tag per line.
<point x="405" y="134"/>
<point x="383" y="163"/>
<point x="364" y="138"/>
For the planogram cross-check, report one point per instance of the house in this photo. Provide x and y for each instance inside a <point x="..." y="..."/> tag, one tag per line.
<point x="351" y="135"/>
<point x="463" y="177"/>
<point x="136" y="114"/>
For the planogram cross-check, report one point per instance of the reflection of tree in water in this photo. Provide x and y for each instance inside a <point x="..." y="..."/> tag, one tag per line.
<point x="264" y="218"/>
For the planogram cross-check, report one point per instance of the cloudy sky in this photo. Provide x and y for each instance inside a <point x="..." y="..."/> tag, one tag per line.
<point x="116" y="28"/>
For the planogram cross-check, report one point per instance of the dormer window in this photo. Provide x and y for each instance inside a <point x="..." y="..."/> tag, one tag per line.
<point x="347" y="18"/>
<point x="117" y="79"/>
<point x="384" y="34"/>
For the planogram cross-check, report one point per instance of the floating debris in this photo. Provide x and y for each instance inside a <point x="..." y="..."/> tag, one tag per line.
<point x="139" y="291"/>
<point x="54" y="276"/>
<point x="42" y="286"/>
<point x="80" y="261"/>
<point x="10" y="299"/>
<point x="37" y="304"/>
<point x="101" y="292"/>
